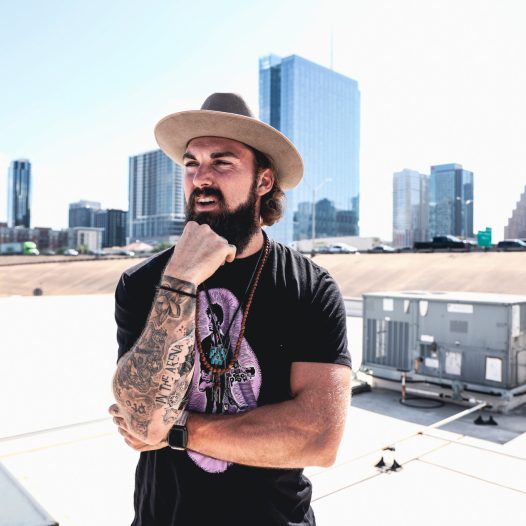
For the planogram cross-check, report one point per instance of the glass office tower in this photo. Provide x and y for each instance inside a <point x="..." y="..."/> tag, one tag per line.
<point x="410" y="210"/>
<point x="450" y="201"/>
<point x="82" y="213"/>
<point x="319" y="111"/>
<point x="19" y="193"/>
<point x="156" y="200"/>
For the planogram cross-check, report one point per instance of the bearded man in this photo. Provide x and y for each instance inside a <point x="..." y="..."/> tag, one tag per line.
<point x="276" y="358"/>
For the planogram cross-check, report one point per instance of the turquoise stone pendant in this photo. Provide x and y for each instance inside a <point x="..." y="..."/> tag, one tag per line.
<point x="218" y="356"/>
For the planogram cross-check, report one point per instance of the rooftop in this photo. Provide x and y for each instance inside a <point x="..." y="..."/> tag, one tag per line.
<point x="59" y="443"/>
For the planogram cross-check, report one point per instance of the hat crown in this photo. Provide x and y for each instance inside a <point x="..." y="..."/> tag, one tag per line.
<point x="227" y="103"/>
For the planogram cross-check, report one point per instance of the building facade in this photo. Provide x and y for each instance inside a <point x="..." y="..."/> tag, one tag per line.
<point x="82" y="213"/>
<point x="114" y="222"/>
<point x="318" y="109"/>
<point x="156" y="199"/>
<point x="451" y="201"/>
<point x="410" y="208"/>
<point x="19" y="193"/>
<point x="44" y="237"/>
<point x="516" y="228"/>
<point x="85" y="239"/>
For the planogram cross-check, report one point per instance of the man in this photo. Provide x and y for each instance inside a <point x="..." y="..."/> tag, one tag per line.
<point x="233" y="369"/>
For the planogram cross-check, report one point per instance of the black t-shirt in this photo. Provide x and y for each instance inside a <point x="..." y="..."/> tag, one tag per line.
<point x="297" y="315"/>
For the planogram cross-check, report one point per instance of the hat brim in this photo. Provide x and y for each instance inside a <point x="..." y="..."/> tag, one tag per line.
<point x="174" y="132"/>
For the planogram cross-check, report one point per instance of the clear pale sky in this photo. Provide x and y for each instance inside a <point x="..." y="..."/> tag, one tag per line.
<point x="83" y="83"/>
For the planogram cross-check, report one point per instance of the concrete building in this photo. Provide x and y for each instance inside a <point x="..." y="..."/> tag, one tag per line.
<point x="87" y="238"/>
<point x="19" y="193"/>
<point x="410" y="208"/>
<point x="82" y="213"/>
<point x="516" y="228"/>
<point x="156" y="199"/>
<point x="318" y="109"/>
<point x="451" y="201"/>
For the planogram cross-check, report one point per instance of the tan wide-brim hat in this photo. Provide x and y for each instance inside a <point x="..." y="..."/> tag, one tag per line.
<point x="227" y="115"/>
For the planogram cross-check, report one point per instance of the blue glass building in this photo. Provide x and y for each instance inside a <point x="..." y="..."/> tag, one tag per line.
<point x="410" y="208"/>
<point x="19" y="193"/>
<point x="82" y="213"/>
<point x="156" y="199"/>
<point x="450" y="201"/>
<point x="319" y="111"/>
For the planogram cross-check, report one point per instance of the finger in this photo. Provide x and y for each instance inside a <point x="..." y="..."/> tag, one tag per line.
<point x="120" y="422"/>
<point x="231" y="255"/>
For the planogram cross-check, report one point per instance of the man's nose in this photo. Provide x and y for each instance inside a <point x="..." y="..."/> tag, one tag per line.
<point x="203" y="176"/>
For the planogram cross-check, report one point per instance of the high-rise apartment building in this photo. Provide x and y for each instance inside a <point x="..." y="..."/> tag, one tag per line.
<point x="318" y="109"/>
<point x="450" y="201"/>
<point x="114" y="222"/>
<point x="156" y="199"/>
<point x="410" y="208"/>
<point x="516" y="228"/>
<point x="19" y="193"/>
<point x="82" y="213"/>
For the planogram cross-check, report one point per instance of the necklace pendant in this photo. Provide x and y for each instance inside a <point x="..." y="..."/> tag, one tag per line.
<point x="218" y="356"/>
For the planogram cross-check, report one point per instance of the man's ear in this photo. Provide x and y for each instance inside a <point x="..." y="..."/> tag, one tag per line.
<point x="265" y="181"/>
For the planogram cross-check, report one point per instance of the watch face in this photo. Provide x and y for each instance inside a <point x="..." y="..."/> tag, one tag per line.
<point x="178" y="437"/>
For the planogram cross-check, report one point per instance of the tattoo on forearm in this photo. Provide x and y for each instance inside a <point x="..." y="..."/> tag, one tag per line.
<point x="157" y="372"/>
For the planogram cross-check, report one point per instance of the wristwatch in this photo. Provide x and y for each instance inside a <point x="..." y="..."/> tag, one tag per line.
<point x="178" y="436"/>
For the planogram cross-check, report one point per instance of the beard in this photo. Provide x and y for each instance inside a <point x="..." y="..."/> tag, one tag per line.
<point x="237" y="226"/>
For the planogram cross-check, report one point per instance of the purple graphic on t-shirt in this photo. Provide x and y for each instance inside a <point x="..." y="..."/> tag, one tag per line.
<point x="235" y="391"/>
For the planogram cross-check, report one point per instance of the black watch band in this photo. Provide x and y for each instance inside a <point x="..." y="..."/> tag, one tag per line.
<point x="178" y="437"/>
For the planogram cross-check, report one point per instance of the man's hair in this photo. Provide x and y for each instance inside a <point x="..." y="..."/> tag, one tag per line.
<point x="273" y="203"/>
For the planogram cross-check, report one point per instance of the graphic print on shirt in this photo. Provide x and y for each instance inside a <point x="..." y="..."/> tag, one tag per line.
<point x="236" y="390"/>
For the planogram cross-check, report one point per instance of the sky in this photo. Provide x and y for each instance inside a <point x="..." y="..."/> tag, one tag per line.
<point x="83" y="84"/>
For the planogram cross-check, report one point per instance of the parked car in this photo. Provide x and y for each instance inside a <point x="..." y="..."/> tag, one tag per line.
<point x="71" y="252"/>
<point x="342" y="248"/>
<point x="382" y="248"/>
<point x="511" y="244"/>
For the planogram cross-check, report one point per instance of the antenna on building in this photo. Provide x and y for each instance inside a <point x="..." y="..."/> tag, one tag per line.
<point x="332" y="48"/>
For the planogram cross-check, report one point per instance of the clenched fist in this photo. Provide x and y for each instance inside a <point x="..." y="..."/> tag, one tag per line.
<point x="198" y="254"/>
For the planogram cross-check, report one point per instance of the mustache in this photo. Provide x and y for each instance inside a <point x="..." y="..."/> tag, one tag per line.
<point x="205" y="192"/>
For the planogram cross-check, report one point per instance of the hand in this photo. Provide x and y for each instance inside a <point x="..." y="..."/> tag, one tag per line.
<point x="198" y="254"/>
<point x="131" y="440"/>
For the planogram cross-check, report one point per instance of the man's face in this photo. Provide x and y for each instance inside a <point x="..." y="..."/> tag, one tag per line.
<point x="221" y="188"/>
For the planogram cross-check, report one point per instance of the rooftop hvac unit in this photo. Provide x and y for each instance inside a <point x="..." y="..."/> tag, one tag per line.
<point x="475" y="340"/>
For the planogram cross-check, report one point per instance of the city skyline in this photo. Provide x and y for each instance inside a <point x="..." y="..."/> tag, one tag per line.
<point x="439" y="83"/>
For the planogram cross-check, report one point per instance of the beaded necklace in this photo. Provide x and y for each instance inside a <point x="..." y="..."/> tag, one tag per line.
<point x="219" y="358"/>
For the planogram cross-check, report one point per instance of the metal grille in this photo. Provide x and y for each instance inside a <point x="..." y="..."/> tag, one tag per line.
<point x="388" y="343"/>
<point x="458" y="326"/>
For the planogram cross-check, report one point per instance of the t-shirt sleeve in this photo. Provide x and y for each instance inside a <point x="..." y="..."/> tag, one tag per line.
<point x="130" y="315"/>
<point x="322" y="334"/>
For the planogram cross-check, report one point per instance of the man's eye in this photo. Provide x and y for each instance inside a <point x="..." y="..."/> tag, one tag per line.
<point x="190" y="163"/>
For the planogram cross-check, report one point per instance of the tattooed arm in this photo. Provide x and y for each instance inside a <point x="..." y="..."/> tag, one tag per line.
<point x="153" y="377"/>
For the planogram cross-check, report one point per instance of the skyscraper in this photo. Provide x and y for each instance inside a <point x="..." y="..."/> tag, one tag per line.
<point x="410" y="208"/>
<point x="114" y="222"/>
<point x="319" y="111"/>
<point x="516" y="228"/>
<point x="156" y="199"/>
<point x="450" y="201"/>
<point x="19" y="193"/>
<point x="82" y="213"/>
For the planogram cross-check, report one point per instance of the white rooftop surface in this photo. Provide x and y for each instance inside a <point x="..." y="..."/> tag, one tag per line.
<point x="58" y="356"/>
<point x="465" y="297"/>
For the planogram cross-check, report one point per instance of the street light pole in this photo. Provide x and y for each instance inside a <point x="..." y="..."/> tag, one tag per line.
<point x="313" y="225"/>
